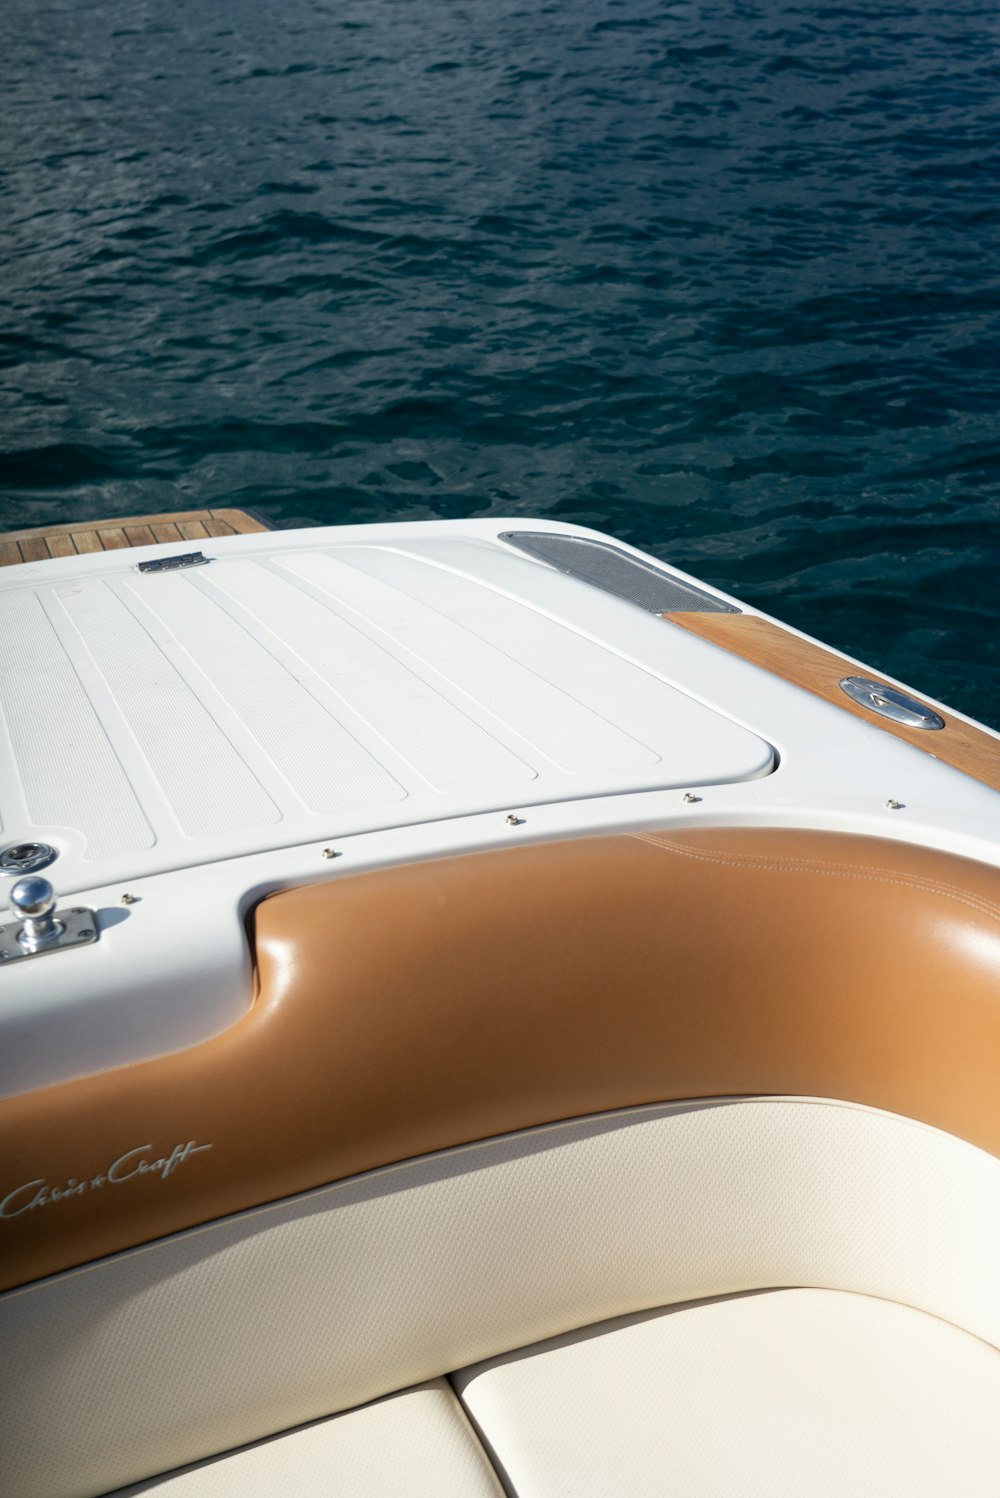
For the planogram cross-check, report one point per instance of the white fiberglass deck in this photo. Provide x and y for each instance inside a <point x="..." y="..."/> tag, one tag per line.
<point x="295" y="688"/>
<point x="311" y="704"/>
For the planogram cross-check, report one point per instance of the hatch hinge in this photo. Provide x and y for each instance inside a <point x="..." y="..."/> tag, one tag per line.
<point x="174" y="564"/>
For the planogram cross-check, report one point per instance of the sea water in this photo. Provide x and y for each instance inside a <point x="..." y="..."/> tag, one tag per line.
<point x="721" y="278"/>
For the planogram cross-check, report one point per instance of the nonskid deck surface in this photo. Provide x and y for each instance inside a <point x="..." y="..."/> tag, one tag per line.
<point x="291" y="683"/>
<point x="41" y="543"/>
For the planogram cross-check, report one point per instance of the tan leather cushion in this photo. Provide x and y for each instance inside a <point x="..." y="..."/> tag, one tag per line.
<point x="774" y="1395"/>
<point x="420" y="1007"/>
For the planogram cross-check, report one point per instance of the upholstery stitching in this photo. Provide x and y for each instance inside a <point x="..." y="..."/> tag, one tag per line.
<point x="833" y="870"/>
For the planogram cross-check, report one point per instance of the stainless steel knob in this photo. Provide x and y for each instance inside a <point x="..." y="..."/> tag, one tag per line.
<point x="33" y="896"/>
<point x="34" y="900"/>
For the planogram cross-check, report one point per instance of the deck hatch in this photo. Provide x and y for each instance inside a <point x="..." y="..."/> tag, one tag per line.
<point x="384" y="680"/>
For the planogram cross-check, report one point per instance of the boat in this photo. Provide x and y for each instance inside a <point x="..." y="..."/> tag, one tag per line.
<point x="483" y="1011"/>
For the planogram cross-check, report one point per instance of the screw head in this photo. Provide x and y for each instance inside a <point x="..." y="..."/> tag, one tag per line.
<point x="85" y="934"/>
<point x="331" y="853"/>
<point x="690" y="796"/>
<point x="894" y="805"/>
<point x="513" y="820"/>
<point x="128" y="899"/>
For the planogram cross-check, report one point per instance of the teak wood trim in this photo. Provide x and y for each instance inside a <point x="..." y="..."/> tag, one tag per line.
<point x="521" y="987"/>
<point x="818" y="670"/>
<point x="81" y="536"/>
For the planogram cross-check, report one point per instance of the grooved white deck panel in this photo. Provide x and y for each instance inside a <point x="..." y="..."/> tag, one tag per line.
<point x="626" y="697"/>
<point x="305" y="687"/>
<point x="327" y="768"/>
<point x="566" y="732"/>
<point x="68" y="773"/>
<point x="444" y="745"/>
<point x="209" y="786"/>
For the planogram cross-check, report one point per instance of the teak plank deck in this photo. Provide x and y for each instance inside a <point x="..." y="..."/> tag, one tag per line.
<point x="45" y="541"/>
<point x="819" y="670"/>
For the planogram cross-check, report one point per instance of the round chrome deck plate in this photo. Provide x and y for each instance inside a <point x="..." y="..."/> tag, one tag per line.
<point x="17" y="859"/>
<point x="890" y="702"/>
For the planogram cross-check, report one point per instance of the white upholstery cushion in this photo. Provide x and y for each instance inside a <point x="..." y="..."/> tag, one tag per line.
<point x="768" y="1395"/>
<point x="417" y="1444"/>
<point x="215" y="1337"/>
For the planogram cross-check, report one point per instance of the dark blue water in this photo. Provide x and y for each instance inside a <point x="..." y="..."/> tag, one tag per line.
<point x="721" y="278"/>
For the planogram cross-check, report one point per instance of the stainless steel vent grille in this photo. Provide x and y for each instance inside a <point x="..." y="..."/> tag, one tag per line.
<point x="614" y="570"/>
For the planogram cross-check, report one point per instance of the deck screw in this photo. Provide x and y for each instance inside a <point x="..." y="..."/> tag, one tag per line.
<point x="84" y="935"/>
<point x="894" y="805"/>
<point x="129" y="899"/>
<point x="513" y="820"/>
<point x="690" y="796"/>
<point x="331" y="853"/>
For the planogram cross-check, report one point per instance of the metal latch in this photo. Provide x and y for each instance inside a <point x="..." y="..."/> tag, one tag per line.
<point x="890" y="702"/>
<point x="173" y="564"/>
<point x="42" y="928"/>
<point x="26" y="858"/>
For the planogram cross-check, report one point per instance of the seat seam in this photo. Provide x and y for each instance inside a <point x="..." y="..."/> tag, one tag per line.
<point x="490" y="1457"/>
<point x="836" y="871"/>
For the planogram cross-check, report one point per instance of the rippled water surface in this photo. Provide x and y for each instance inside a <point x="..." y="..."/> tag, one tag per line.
<point x="721" y="278"/>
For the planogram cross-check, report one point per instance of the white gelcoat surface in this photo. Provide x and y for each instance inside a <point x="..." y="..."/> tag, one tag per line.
<point x="235" y="707"/>
<point x="198" y="738"/>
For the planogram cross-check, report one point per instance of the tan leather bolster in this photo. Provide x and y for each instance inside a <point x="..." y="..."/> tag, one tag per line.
<point x="409" y="1010"/>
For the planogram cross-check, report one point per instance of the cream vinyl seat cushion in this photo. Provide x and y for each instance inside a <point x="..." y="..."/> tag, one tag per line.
<point x="417" y="1444"/>
<point x="770" y="1394"/>
<point x="773" y="1394"/>
<point x="183" y="1350"/>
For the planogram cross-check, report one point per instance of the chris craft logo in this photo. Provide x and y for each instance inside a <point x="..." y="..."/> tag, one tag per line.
<point x="131" y="1166"/>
